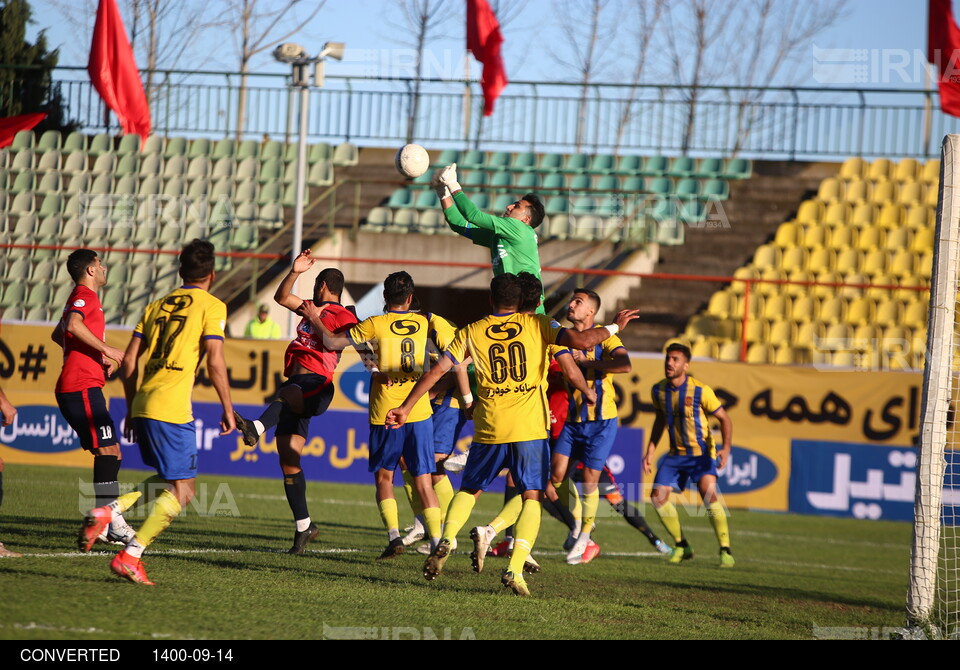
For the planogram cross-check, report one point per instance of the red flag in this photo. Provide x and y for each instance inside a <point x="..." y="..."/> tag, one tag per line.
<point x="114" y="72"/>
<point x="484" y="40"/>
<point x="943" y="50"/>
<point x="11" y="125"/>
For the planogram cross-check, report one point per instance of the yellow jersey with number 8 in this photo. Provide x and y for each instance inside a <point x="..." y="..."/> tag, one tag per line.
<point x="173" y="330"/>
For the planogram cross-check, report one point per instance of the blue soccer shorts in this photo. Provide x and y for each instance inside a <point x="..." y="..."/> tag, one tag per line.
<point x="528" y="462"/>
<point x="448" y="421"/>
<point x="413" y="441"/>
<point x="171" y="448"/>
<point x="676" y="471"/>
<point x="589" y="442"/>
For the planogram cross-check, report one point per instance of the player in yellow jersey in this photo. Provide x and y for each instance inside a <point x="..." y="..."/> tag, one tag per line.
<point x="683" y="405"/>
<point x="176" y="332"/>
<point x="399" y="338"/>
<point x="509" y="351"/>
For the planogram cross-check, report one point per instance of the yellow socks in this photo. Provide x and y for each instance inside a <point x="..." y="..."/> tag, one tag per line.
<point x="668" y="515"/>
<point x="431" y="518"/>
<point x="569" y="497"/>
<point x="591" y="501"/>
<point x="458" y="514"/>
<point x="525" y="535"/>
<point x="165" y="508"/>
<point x="444" y="491"/>
<point x="390" y="517"/>
<point x="718" y="518"/>
<point x="508" y="515"/>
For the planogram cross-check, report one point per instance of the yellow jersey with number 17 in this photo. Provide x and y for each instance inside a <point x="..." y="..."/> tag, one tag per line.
<point x="173" y="330"/>
<point x="510" y="359"/>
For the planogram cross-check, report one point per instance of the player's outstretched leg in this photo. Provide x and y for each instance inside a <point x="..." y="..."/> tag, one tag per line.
<point x="166" y="507"/>
<point x="96" y="522"/>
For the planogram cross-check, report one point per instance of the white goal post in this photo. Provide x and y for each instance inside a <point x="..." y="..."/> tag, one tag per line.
<point x="933" y="609"/>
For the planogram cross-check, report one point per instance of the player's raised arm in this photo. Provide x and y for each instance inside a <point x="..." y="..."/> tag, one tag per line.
<point x="398" y="415"/>
<point x="585" y="339"/>
<point x="574" y="375"/>
<point x="284" y="296"/>
<point x="217" y="372"/>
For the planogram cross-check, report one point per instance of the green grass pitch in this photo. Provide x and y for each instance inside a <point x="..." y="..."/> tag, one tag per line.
<point x="224" y="576"/>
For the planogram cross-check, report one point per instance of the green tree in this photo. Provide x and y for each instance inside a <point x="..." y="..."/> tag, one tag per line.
<point x="26" y="82"/>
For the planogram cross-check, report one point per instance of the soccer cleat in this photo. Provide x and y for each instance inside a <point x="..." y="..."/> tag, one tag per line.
<point x="6" y="553"/>
<point x="425" y="549"/>
<point x="414" y="535"/>
<point x="681" y="554"/>
<point x="591" y="552"/>
<point x="95" y="522"/>
<point x="457" y="462"/>
<point x="249" y="431"/>
<point x="131" y="568"/>
<point x="434" y="564"/>
<point x="530" y="566"/>
<point x="726" y="558"/>
<point x="515" y="583"/>
<point x="503" y="550"/>
<point x="571" y="540"/>
<point x="121" y="535"/>
<point x="482" y="536"/>
<point x="662" y="547"/>
<point x="302" y="538"/>
<point x="575" y="556"/>
<point x="394" y="549"/>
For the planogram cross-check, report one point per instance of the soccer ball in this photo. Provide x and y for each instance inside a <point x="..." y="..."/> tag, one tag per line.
<point x="412" y="160"/>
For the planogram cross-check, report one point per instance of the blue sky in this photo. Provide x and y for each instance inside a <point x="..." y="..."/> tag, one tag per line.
<point x="893" y="31"/>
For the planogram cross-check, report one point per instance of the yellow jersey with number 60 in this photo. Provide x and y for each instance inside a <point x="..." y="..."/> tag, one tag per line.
<point x="510" y="358"/>
<point x="173" y="330"/>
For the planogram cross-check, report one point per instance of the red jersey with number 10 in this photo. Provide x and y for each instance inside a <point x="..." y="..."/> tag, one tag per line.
<point x="82" y="365"/>
<point x="308" y="348"/>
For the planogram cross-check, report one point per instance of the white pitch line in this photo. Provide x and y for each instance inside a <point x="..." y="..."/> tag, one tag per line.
<point x="94" y="631"/>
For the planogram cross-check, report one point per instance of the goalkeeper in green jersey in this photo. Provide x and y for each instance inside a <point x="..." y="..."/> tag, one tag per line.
<point x="510" y="238"/>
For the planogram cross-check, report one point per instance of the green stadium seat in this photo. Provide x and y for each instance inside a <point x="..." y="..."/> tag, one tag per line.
<point x="499" y="160"/>
<point x="244" y="236"/>
<point x="655" y="166"/>
<point x="681" y="166"/>
<point x="716" y="190"/>
<point x="634" y="184"/>
<point x="738" y="168"/>
<point x="22" y="203"/>
<point x="427" y="200"/>
<point x="475" y="178"/>
<point x="129" y="144"/>
<point x="100" y="144"/>
<point x="472" y="160"/>
<point x="174" y="187"/>
<point x="271" y="170"/>
<point x="558" y="204"/>
<point x="404" y="221"/>
<point x="153" y="145"/>
<point x="524" y="162"/>
<point x="51" y="182"/>
<point x="688" y="188"/>
<point x="249" y="189"/>
<point x="128" y="164"/>
<point x="270" y="192"/>
<point x="446" y="157"/>
<point x="248" y="168"/>
<point x="271" y="150"/>
<point x="23" y="139"/>
<point x="199" y="167"/>
<point x="289" y="198"/>
<point x="609" y="205"/>
<point x="346" y="154"/>
<point x="608" y="183"/>
<point x="584" y="204"/>
<point x="481" y="200"/>
<point x="105" y="164"/>
<point x="151" y="166"/>
<point x="378" y="219"/>
<point x="75" y="141"/>
<point x="603" y="164"/>
<point x="321" y="174"/>
<point x="629" y="165"/>
<point x="51" y="205"/>
<point x="224" y="167"/>
<point x="502" y="202"/>
<point x="708" y="168"/>
<point x="25" y="159"/>
<point x="581" y="182"/>
<point x="555" y="181"/>
<point x="499" y="180"/>
<point x="551" y="163"/>
<point x="660" y="186"/>
<point x="576" y="163"/>
<point x="51" y="140"/>
<point x="248" y="149"/>
<point x="75" y="163"/>
<point x="225" y="148"/>
<point x="321" y="151"/>
<point x="400" y="198"/>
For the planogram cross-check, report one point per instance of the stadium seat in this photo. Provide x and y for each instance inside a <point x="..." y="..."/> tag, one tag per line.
<point x="837" y="214"/>
<point x="225" y="148"/>
<point x="321" y="174"/>
<point x="915" y="314"/>
<point x="427" y="200"/>
<point x="904" y="263"/>
<point x="794" y="258"/>
<point x="857" y="192"/>
<point x="843" y="236"/>
<point x="880" y="170"/>
<point x="248" y="168"/>
<point x="930" y="173"/>
<point x="875" y="262"/>
<point x="576" y="163"/>
<point x="25" y="159"/>
<point x="551" y="163"/>
<point x="446" y="157"/>
<point x="890" y="312"/>
<point x="499" y="180"/>
<point x="704" y="348"/>
<point x="100" y="144"/>
<point x="876" y="292"/>
<point x="911" y="193"/>
<point x="721" y="304"/>
<point x="557" y="204"/>
<point x="432" y="222"/>
<point x="810" y="212"/>
<point x="861" y="311"/>
<point x="50" y="160"/>
<point x="630" y="165"/>
<point x="757" y="330"/>
<point x="51" y="182"/>
<point x="848" y="261"/>
<point x="530" y="181"/>
<point x="248" y="149"/>
<point x="805" y="308"/>
<point x="738" y="168"/>
<point x="346" y="154"/>
<point x="688" y="188"/>
<point x="23" y="139"/>
<point x="557" y="227"/>
<point x="708" y="168"/>
<point x="681" y="166"/>
<point x="128" y="164"/>
<point x="833" y="310"/>
<point x="760" y="352"/>
<point x="502" y="202"/>
<point x="816" y="235"/>
<point x="729" y="351"/>
<point x="891" y="216"/>
<point x="794" y="290"/>
<point x="906" y="170"/>
<point x="525" y="161"/>
<point x="654" y="166"/>
<point x="603" y="164"/>
<point x="852" y="168"/>
<point x="716" y="189"/>
<point x="870" y="238"/>
<point x="777" y="307"/>
<point x="767" y="256"/>
<point x="498" y="160"/>
<point x="884" y="192"/>
<point x="322" y="151"/>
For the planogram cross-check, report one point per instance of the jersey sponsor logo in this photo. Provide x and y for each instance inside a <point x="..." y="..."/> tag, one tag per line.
<point x="40" y="429"/>
<point x="404" y="327"/>
<point x="504" y="331"/>
<point x="79" y="303"/>
<point x="176" y="303"/>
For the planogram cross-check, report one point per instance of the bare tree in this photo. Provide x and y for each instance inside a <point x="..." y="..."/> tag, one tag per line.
<point x="258" y="26"/>
<point x="646" y="16"/>
<point x="423" y="18"/>
<point x="588" y="34"/>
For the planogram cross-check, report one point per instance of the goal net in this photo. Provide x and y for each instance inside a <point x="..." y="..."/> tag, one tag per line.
<point x="932" y="601"/>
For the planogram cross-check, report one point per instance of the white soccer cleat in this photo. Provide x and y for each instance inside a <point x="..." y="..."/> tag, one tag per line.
<point x="482" y="536"/>
<point x="415" y="535"/>
<point x="571" y="539"/>
<point x="457" y="462"/>
<point x="575" y="557"/>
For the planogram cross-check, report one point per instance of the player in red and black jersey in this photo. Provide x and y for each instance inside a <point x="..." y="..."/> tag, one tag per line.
<point x="308" y="365"/>
<point x="87" y="358"/>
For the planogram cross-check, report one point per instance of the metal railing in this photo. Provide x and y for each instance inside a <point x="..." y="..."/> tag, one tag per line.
<point x="802" y="123"/>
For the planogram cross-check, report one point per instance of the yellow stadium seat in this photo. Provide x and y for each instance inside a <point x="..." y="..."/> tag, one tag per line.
<point x="849" y="261"/>
<point x="930" y="173"/>
<point x="904" y="293"/>
<point x="704" y="348"/>
<point x="757" y="330"/>
<point x="729" y="351"/>
<point x="810" y="211"/>
<point x="755" y="308"/>
<point x="782" y="332"/>
<point x="852" y="168"/>
<point x="891" y="216"/>
<point x="745" y="272"/>
<point x="825" y="289"/>
<point x="837" y="213"/>
<point x="921" y="216"/>
<point x="769" y="287"/>
<point x="722" y="303"/>
<point x="903" y="263"/>
<point x="844" y="236"/>
<point x="864" y="214"/>
<point x="843" y="359"/>
<point x="931" y="196"/>
<point x="822" y="260"/>
<point x="805" y="308"/>
<point x="854" y="288"/>
<point x="777" y="307"/>
<point x="857" y="192"/>
<point x="870" y="238"/>
<point x="767" y="256"/>
<point x="794" y="258"/>
<point x="906" y="170"/>
<point x="833" y="310"/>
<point x="788" y="235"/>
<point x="911" y="193"/>
<point x="880" y="170"/>
<point x="925" y="265"/>
<point x="838" y="335"/>
<point x="875" y="262"/>
<point x="760" y="352"/>
<point x="861" y="311"/>
<point x="809" y="333"/>
<point x="866" y="336"/>
<point x="923" y="241"/>
<point x="889" y="312"/>
<point x="797" y="289"/>
<point x="816" y="236"/>
<point x="785" y="354"/>
<point x="884" y="192"/>
<point x="899" y="238"/>
<point x="878" y="293"/>
<point x="915" y="315"/>
<point x="831" y="190"/>
<point x="897" y="339"/>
